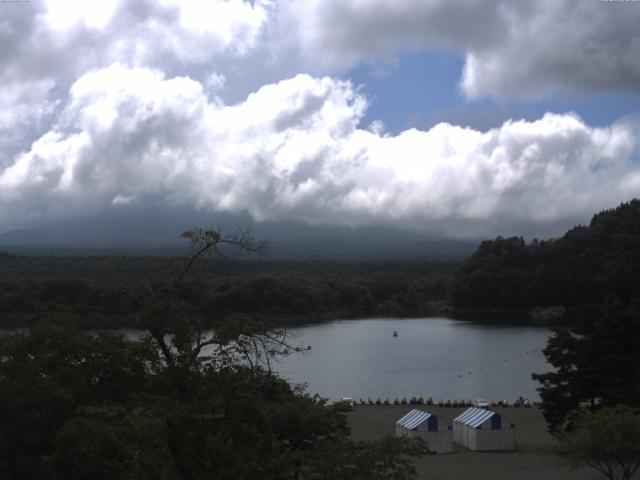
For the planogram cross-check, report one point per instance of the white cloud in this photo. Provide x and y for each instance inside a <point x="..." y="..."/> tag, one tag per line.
<point x="295" y="150"/>
<point x="150" y="32"/>
<point x="120" y="104"/>
<point x="50" y="44"/>
<point x="122" y="199"/>
<point x="64" y="14"/>
<point x="215" y="81"/>
<point x="512" y="49"/>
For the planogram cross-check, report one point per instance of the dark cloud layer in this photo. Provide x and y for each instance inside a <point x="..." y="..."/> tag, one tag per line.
<point x="521" y="49"/>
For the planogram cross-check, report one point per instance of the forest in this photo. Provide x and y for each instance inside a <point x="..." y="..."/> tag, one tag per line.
<point x="587" y="265"/>
<point x="180" y="403"/>
<point x="101" y="291"/>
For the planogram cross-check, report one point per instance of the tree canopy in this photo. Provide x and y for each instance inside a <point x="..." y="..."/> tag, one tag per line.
<point x="586" y="265"/>
<point x="597" y="363"/>
<point x="596" y="359"/>
<point x="607" y="440"/>
<point x="180" y="403"/>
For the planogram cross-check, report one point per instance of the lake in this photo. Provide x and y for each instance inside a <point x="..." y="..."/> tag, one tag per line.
<point x="431" y="357"/>
<point x="436" y="357"/>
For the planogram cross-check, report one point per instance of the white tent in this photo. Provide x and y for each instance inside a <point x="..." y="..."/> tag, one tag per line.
<point x="419" y="424"/>
<point x="482" y="430"/>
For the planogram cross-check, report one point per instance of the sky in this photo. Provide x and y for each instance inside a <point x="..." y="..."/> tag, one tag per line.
<point x="458" y="119"/>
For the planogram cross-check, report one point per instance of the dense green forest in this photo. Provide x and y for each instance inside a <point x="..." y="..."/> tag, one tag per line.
<point x="102" y="291"/>
<point x="586" y="265"/>
<point x="594" y="271"/>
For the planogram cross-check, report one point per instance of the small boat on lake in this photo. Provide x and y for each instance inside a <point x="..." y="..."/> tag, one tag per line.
<point x="395" y="334"/>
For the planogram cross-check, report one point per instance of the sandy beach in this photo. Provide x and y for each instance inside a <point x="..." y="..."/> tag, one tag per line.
<point x="533" y="459"/>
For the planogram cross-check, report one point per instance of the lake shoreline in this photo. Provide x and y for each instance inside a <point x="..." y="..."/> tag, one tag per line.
<point x="506" y="316"/>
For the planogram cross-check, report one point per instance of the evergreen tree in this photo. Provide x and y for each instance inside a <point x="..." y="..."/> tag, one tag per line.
<point x="597" y="363"/>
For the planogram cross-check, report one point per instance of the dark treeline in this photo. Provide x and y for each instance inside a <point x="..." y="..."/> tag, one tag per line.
<point x="178" y="404"/>
<point x="594" y="272"/>
<point x="102" y="291"/>
<point x="587" y="265"/>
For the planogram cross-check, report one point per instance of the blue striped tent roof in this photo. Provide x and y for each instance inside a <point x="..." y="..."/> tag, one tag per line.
<point x="474" y="417"/>
<point x="413" y="419"/>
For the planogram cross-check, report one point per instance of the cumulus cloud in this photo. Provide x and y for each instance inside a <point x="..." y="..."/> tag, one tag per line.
<point x="341" y="33"/>
<point x="512" y="49"/>
<point x="295" y="150"/>
<point x="50" y="44"/>
<point x="551" y="46"/>
<point x="121" y="104"/>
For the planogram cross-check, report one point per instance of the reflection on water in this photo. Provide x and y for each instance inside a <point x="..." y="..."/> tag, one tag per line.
<point x="437" y="357"/>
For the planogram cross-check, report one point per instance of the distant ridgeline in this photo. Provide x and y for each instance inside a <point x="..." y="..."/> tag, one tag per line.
<point x="587" y="265"/>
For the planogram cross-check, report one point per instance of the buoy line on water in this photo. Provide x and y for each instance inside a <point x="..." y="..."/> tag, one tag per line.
<point x="428" y="400"/>
<point x="497" y="363"/>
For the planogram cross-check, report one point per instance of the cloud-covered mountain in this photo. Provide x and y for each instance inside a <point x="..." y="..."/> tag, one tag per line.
<point x="156" y="231"/>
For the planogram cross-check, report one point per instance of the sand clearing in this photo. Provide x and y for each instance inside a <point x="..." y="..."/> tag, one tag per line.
<point x="534" y="458"/>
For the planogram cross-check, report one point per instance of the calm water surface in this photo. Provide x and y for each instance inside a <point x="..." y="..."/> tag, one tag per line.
<point x="431" y="357"/>
<point x="437" y="357"/>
